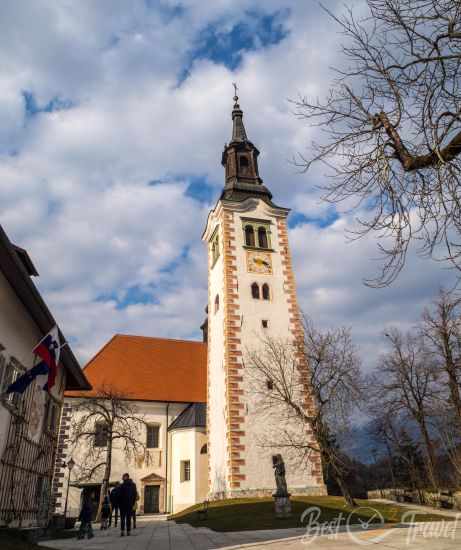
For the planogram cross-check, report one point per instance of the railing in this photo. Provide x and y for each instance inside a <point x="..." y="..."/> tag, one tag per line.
<point x="26" y="466"/>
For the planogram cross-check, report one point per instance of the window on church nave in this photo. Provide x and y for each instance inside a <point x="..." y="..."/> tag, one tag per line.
<point x="152" y="436"/>
<point x="216" y="303"/>
<point x="255" y="291"/>
<point x="204" y="449"/>
<point x="185" y="470"/>
<point x="101" y="434"/>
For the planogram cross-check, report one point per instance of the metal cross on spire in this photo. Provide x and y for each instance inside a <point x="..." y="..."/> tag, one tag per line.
<point x="235" y="91"/>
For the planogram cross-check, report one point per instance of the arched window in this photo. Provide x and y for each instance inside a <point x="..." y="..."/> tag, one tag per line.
<point x="262" y="238"/>
<point x="249" y="235"/>
<point x="216" y="303"/>
<point x="204" y="449"/>
<point x="266" y="293"/>
<point x="255" y="291"/>
<point x="244" y="164"/>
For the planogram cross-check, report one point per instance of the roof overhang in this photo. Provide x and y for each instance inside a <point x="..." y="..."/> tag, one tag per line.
<point x="17" y="276"/>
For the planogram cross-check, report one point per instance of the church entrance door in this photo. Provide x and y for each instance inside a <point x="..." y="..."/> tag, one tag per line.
<point x="151" y="499"/>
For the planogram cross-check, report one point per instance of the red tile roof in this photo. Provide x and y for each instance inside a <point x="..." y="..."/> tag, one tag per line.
<point x="150" y="369"/>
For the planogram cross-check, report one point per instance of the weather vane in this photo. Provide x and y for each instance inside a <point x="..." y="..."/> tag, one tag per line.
<point x="235" y="91"/>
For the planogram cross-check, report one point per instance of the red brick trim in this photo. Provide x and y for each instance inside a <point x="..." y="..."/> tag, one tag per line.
<point x="233" y="353"/>
<point x="296" y="326"/>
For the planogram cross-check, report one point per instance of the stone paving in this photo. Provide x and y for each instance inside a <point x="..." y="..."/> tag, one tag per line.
<point x="154" y="534"/>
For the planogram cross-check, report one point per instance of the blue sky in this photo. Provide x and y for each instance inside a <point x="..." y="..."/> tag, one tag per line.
<point x="113" y="117"/>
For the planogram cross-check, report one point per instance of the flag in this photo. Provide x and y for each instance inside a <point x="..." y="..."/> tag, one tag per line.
<point x="47" y="351"/>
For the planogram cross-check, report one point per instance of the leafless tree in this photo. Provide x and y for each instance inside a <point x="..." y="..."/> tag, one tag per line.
<point x="404" y="460"/>
<point x="311" y="387"/>
<point x="441" y="328"/>
<point x="406" y="383"/>
<point x="100" y="424"/>
<point x="391" y="126"/>
<point x="446" y="424"/>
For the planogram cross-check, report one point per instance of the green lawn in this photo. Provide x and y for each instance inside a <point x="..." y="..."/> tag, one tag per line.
<point x="258" y="513"/>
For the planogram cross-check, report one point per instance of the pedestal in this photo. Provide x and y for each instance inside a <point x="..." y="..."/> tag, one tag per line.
<point x="282" y="507"/>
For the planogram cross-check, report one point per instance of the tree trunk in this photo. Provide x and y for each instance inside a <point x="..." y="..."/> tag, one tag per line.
<point x="332" y="460"/>
<point x="106" y="478"/>
<point x="344" y="490"/>
<point x="453" y="382"/>
<point x="431" y="460"/>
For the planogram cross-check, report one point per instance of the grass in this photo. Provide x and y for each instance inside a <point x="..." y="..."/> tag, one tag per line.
<point x="258" y="513"/>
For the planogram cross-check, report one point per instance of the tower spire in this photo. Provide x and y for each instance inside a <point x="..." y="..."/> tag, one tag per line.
<point x="238" y="129"/>
<point x="240" y="159"/>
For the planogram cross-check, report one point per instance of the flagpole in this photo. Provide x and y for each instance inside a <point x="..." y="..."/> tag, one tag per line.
<point x="38" y="343"/>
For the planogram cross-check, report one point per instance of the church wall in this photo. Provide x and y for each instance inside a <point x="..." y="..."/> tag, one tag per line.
<point x="217" y="391"/>
<point x="201" y="470"/>
<point x="186" y="445"/>
<point x="258" y="469"/>
<point x="152" y="413"/>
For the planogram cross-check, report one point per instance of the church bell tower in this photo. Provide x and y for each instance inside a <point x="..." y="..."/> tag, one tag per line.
<point x="251" y="293"/>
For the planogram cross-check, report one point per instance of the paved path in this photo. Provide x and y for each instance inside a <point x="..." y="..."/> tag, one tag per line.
<point x="427" y="536"/>
<point x="167" y="535"/>
<point x="422" y="509"/>
<point x="153" y="534"/>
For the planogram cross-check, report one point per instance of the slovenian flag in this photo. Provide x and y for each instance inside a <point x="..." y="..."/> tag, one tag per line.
<point x="47" y="352"/>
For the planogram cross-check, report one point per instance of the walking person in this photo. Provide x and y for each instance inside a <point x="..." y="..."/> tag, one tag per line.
<point x="113" y="497"/>
<point x="126" y="500"/>
<point x="85" y="517"/>
<point x="135" y="507"/>
<point x="105" y="513"/>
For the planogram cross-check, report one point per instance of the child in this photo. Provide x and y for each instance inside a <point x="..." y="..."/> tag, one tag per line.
<point x="105" y="513"/>
<point x="85" y="517"/>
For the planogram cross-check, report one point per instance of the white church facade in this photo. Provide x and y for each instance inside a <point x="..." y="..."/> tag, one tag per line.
<point x="198" y="393"/>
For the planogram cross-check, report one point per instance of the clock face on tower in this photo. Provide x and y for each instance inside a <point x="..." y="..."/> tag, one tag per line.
<point x="259" y="262"/>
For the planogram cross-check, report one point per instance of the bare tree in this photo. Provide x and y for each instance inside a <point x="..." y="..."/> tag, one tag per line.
<point x="441" y="327"/>
<point x="391" y="126"/>
<point x="446" y="423"/>
<point x="406" y="384"/>
<point x="405" y="463"/>
<point x="312" y="389"/>
<point x="100" y="425"/>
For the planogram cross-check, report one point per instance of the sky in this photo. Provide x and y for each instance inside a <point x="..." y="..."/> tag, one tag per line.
<point x="113" y="117"/>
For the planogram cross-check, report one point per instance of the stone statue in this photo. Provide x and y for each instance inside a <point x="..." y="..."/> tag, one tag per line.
<point x="279" y="472"/>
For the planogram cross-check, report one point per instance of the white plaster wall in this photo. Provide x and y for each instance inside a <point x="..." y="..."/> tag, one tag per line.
<point x="152" y="413"/>
<point x="201" y="467"/>
<point x="19" y="335"/>
<point x="258" y="460"/>
<point x="186" y="443"/>
<point x="217" y="429"/>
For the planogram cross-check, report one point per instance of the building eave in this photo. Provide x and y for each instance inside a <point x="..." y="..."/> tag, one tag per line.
<point x="25" y="290"/>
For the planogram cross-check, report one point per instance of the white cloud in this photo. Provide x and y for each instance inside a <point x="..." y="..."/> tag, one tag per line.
<point x="76" y="194"/>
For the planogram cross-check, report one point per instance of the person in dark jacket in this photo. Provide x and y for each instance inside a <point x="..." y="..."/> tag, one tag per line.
<point x="135" y="507"/>
<point x="105" y="512"/>
<point x="85" y="517"/>
<point x="126" y="500"/>
<point x="113" y="497"/>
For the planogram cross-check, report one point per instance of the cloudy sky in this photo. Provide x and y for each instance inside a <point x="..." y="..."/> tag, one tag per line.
<point x="113" y="117"/>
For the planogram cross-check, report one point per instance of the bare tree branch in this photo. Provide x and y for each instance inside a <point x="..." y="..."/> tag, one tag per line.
<point x="392" y="128"/>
